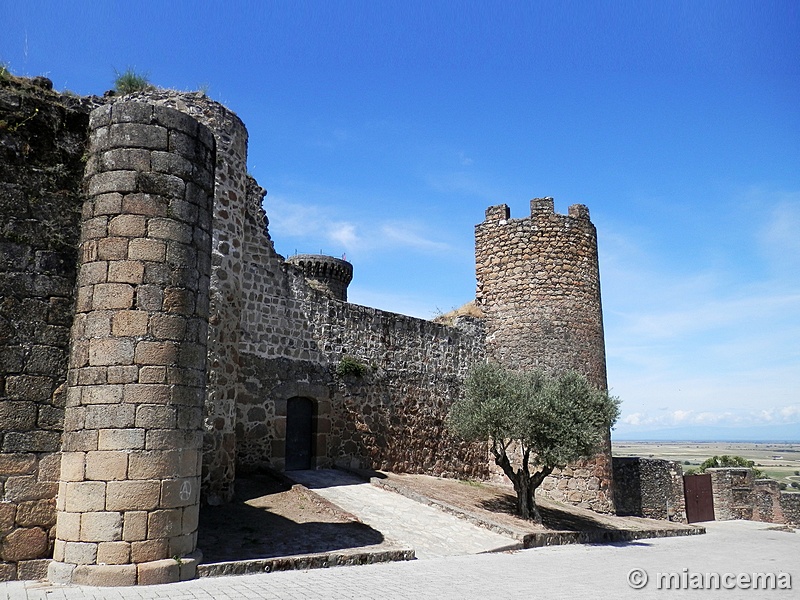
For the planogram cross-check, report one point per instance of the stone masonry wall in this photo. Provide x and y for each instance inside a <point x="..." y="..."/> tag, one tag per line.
<point x="129" y="486"/>
<point x="651" y="488"/>
<point x="738" y="495"/>
<point x="790" y="506"/>
<point x="294" y="337"/>
<point x="42" y="142"/>
<point x="539" y="290"/>
<point x="731" y="489"/>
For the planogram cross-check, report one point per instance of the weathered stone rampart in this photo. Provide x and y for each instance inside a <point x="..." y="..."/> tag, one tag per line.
<point x="42" y="142"/>
<point x="646" y="487"/>
<point x="390" y="417"/>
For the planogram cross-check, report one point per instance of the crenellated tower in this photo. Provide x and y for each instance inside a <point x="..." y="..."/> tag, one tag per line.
<point x="326" y="274"/>
<point x="539" y="290"/>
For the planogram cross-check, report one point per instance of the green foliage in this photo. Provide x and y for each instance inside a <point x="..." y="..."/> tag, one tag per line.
<point x="349" y="365"/>
<point x="782" y="486"/>
<point x="795" y="485"/>
<point x="4" y="71"/>
<point x="717" y="462"/>
<point x="553" y="420"/>
<point x="130" y="81"/>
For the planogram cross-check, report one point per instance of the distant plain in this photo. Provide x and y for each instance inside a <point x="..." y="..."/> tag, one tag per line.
<point x="778" y="460"/>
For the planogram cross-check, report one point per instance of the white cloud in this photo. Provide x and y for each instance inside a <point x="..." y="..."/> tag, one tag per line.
<point x="713" y="339"/>
<point x="644" y="421"/>
<point x="403" y="234"/>
<point x="315" y="225"/>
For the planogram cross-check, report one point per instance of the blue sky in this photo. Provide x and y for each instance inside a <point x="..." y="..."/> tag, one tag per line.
<point x="384" y="129"/>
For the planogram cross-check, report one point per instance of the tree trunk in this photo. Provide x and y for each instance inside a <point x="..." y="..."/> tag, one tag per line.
<point x="525" y="484"/>
<point x="526" y="502"/>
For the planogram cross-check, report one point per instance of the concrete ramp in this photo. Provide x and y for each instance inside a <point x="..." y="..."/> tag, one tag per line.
<point x="429" y="531"/>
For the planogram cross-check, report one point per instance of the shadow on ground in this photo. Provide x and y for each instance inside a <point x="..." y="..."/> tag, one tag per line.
<point x="269" y="518"/>
<point x="553" y="516"/>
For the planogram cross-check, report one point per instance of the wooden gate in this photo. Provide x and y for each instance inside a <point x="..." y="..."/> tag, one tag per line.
<point x="699" y="498"/>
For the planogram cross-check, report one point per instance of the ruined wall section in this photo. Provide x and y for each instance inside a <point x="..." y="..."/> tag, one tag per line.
<point x="539" y="290"/>
<point x="42" y="142"/>
<point x="230" y="198"/>
<point x="646" y="487"/>
<point x="294" y="337"/>
<point x="129" y="485"/>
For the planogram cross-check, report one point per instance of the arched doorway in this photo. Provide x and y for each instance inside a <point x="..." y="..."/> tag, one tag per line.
<point x="299" y="433"/>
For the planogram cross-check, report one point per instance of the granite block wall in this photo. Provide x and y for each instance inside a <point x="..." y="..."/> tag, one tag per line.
<point x="230" y="197"/>
<point x="129" y="485"/>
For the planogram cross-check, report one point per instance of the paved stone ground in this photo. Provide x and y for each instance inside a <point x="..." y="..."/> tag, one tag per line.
<point x="559" y="572"/>
<point x="431" y="533"/>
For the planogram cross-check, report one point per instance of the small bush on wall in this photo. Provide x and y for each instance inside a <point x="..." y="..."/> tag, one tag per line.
<point x="350" y="365"/>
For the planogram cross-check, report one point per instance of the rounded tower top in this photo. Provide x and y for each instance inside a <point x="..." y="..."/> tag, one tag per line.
<point x="326" y="274"/>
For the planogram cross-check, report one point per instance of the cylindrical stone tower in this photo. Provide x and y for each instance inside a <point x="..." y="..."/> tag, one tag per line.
<point x="128" y="498"/>
<point x="326" y="274"/>
<point x="539" y="290"/>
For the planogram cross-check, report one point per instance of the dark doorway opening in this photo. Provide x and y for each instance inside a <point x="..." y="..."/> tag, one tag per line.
<point x="699" y="498"/>
<point x="299" y="433"/>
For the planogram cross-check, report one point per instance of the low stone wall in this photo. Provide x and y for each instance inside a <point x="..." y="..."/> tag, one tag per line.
<point x="732" y="489"/>
<point x="790" y="506"/>
<point x="652" y="488"/>
<point x="738" y="495"/>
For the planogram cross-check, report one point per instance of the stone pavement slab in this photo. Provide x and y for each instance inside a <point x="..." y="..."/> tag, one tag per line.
<point x="427" y="530"/>
<point x="559" y="572"/>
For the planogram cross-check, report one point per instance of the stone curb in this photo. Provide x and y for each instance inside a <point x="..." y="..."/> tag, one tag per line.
<point x="303" y="562"/>
<point x="539" y="539"/>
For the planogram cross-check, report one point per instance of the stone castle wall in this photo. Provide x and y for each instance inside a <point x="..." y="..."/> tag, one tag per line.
<point x="539" y="291"/>
<point x="294" y="337"/>
<point x="42" y="141"/>
<point x="190" y="335"/>
<point x="230" y="197"/>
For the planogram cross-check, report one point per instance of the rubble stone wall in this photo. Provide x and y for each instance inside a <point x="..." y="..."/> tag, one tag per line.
<point x="42" y="142"/>
<point x="790" y="507"/>
<point x="389" y="417"/>
<point x="652" y="488"/>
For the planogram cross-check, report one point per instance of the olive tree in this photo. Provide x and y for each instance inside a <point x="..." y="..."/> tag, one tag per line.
<point x="551" y="420"/>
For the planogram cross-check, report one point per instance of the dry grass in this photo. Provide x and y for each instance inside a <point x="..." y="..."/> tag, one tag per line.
<point x="470" y="309"/>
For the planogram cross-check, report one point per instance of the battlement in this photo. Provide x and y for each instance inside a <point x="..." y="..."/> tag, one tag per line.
<point x="326" y="274"/>
<point x="540" y="207"/>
